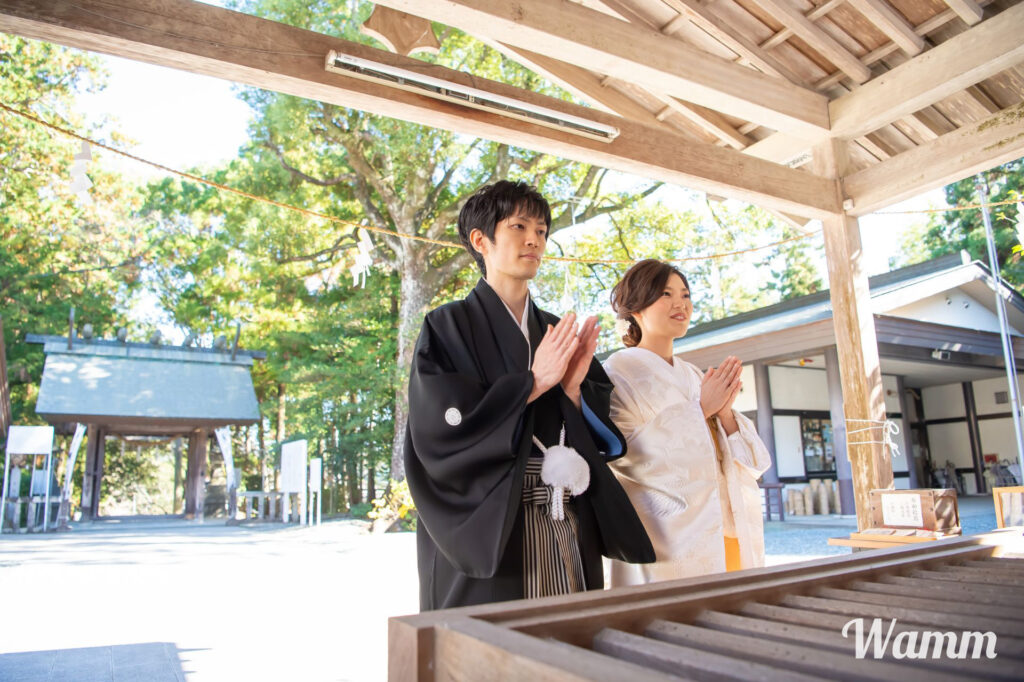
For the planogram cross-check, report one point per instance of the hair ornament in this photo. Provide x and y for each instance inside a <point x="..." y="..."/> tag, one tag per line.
<point x="622" y="326"/>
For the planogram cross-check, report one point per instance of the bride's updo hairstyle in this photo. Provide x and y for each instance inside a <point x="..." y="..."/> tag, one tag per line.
<point x="642" y="285"/>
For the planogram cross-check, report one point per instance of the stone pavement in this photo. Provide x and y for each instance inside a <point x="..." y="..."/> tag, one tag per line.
<point x="174" y="600"/>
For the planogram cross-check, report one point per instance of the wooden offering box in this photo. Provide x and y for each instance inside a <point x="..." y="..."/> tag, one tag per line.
<point x="781" y="623"/>
<point x="925" y="509"/>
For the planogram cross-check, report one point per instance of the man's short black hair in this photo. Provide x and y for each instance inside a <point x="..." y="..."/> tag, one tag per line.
<point x="491" y="204"/>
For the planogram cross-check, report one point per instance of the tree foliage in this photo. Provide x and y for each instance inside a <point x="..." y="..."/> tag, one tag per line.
<point x="55" y="251"/>
<point x="954" y="231"/>
<point x="337" y="354"/>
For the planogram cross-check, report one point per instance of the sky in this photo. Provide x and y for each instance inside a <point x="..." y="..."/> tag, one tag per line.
<point x="184" y="120"/>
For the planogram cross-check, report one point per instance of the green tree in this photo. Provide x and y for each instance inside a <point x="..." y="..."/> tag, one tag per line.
<point x="653" y="229"/>
<point x="953" y="231"/>
<point x="56" y="251"/>
<point x="405" y="177"/>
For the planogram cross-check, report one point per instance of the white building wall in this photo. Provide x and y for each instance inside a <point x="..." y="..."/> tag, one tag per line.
<point x="985" y="395"/>
<point x="954" y="308"/>
<point x="997" y="438"/>
<point x="892" y="398"/>
<point x="746" y="401"/>
<point x="796" y="388"/>
<point x="943" y="402"/>
<point x="950" y="442"/>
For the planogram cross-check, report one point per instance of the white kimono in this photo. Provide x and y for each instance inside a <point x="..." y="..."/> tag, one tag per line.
<point x="671" y="473"/>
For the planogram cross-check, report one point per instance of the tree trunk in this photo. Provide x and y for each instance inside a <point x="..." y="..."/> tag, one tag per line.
<point x="261" y="441"/>
<point x="371" y="485"/>
<point x="352" y="477"/>
<point x="279" y="433"/>
<point x="415" y="297"/>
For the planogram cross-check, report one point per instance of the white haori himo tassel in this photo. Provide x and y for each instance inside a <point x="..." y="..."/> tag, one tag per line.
<point x="563" y="469"/>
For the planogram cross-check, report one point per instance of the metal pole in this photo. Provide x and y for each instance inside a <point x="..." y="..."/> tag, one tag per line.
<point x="1011" y="366"/>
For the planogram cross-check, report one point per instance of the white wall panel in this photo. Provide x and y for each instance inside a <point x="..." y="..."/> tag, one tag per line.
<point x="950" y="442"/>
<point x="942" y="402"/>
<point x="892" y="397"/>
<point x="985" y="395"/>
<point x="954" y="308"/>
<point x="796" y="388"/>
<point x="746" y="401"/>
<point x="997" y="438"/>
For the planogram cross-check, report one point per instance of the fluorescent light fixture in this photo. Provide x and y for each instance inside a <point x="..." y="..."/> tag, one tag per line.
<point x="467" y="96"/>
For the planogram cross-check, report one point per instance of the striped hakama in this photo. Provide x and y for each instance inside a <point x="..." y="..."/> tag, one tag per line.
<point x="551" y="551"/>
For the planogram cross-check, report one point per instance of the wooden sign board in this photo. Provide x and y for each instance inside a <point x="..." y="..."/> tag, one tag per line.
<point x="926" y="509"/>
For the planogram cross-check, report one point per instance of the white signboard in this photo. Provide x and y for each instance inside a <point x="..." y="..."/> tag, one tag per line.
<point x="26" y="440"/>
<point x="30" y="440"/>
<point x="293" y="467"/>
<point x="902" y="510"/>
<point x="315" y="467"/>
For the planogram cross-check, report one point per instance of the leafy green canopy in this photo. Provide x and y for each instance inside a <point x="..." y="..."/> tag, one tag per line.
<point x="954" y="231"/>
<point x="55" y="251"/>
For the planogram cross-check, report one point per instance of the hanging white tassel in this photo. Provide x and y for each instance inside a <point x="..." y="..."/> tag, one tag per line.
<point x="563" y="469"/>
<point x="80" y="182"/>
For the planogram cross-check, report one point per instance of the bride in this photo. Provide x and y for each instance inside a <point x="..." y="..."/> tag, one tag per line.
<point x="692" y="462"/>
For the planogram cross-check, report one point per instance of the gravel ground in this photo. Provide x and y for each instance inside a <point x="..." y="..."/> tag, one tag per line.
<point x="176" y="600"/>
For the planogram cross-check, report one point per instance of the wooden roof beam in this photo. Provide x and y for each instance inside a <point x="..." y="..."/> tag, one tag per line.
<point x="949" y="158"/>
<point x="710" y="121"/>
<point x="883" y="51"/>
<point x="948" y="68"/>
<point x="968" y="10"/>
<point x="578" y="35"/>
<point x="784" y="34"/>
<point x="598" y="90"/>
<point x="899" y="30"/>
<point x="748" y="50"/>
<point x="814" y="36"/>
<point x="601" y="91"/>
<point x="201" y="38"/>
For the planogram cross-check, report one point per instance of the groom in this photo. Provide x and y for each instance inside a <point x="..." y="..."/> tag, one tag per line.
<point x="495" y="383"/>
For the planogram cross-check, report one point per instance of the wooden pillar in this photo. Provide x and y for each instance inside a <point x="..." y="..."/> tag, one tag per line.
<point x="856" y="344"/>
<point x="92" y="476"/>
<point x="844" y="470"/>
<point x="927" y="466"/>
<point x="765" y="418"/>
<point x="176" y="501"/>
<point x="974" y="435"/>
<point x="195" y="475"/>
<point x="906" y="440"/>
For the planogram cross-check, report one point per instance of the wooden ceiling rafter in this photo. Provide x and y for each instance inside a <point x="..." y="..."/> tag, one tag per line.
<point x="893" y="24"/>
<point x="707" y="120"/>
<point x="209" y="40"/>
<point x="749" y="52"/>
<point x="948" y="68"/>
<point x="634" y="53"/>
<point x="968" y="10"/>
<point x="914" y="110"/>
<point x="820" y="41"/>
<point x="955" y="155"/>
<point x="884" y="51"/>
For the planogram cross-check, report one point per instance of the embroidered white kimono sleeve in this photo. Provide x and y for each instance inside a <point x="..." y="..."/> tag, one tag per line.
<point x="671" y="474"/>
